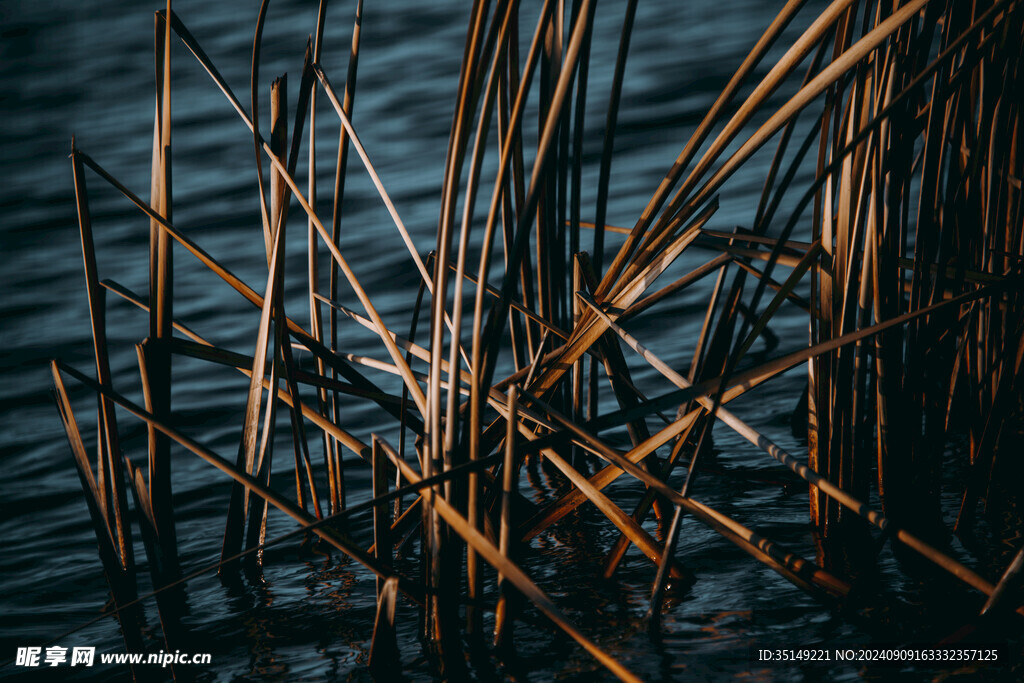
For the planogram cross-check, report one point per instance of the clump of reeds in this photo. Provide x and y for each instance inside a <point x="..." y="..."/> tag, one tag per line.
<point x="910" y="237"/>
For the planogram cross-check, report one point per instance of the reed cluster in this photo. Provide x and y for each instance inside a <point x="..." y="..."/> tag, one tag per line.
<point x="905" y="250"/>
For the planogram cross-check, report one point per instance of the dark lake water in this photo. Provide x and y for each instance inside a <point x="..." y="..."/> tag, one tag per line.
<point x="86" y="69"/>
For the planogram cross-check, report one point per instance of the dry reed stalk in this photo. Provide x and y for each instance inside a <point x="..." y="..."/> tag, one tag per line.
<point x="590" y="329"/>
<point x="620" y="519"/>
<point x="246" y="459"/>
<point x="200" y="55"/>
<point x="506" y="11"/>
<point x="384" y="653"/>
<point x="615" y="97"/>
<point x="738" y="384"/>
<point x="125" y="609"/>
<point x="341" y="166"/>
<point x="205" y="351"/>
<point x="511" y="151"/>
<point x="502" y="621"/>
<point x="110" y="472"/>
<point x="256" y="509"/>
<point x="377" y="182"/>
<point x="381" y="526"/>
<point x="120" y="578"/>
<point x="491" y="554"/>
<point x="484" y="369"/>
<point x="618" y="551"/>
<point x="943" y="561"/>
<point x="252" y="485"/>
<point x="161" y="292"/>
<point x="619" y="376"/>
<point x="169" y="604"/>
<point x="686" y="155"/>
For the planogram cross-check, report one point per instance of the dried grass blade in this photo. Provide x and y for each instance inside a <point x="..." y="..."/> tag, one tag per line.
<point x="611" y="120"/>
<point x="1005" y="586"/>
<point x="311" y="344"/>
<point x="483" y="372"/>
<point x="805" y="575"/>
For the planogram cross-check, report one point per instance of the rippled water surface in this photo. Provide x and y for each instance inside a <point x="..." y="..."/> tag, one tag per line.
<point x="86" y="69"/>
